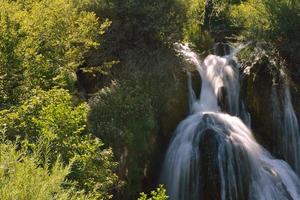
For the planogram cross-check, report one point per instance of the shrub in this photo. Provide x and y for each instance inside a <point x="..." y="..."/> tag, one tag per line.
<point x="158" y="194"/>
<point x="122" y="116"/>
<point x="24" y="176"/>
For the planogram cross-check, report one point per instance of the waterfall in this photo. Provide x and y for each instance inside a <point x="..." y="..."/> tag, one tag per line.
<point x="286" y="123"/>
<point x="213" y="155"/>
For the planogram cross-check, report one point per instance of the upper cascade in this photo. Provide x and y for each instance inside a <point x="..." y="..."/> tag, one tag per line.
<point x="220" y="84"/>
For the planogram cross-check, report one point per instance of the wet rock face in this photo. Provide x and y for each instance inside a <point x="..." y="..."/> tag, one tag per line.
<point x="221" y="49"/>
<point x="210" y="178"/>
<point x="258" y="90"/>
<point x="210" y="159"/>
<point x="223" y="99"/>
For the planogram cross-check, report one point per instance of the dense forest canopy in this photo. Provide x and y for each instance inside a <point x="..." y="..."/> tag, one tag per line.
<point x="91" y="90"/>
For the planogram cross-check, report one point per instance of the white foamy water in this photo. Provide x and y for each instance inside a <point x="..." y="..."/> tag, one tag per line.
<point x="245" y="169"/>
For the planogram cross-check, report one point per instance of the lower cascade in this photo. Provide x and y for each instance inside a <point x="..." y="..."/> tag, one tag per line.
<point x="287" y="125"/>
<point x="213" y="154"/>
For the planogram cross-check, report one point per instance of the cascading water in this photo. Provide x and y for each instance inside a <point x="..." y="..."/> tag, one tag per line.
<point x="244" y="170"/>
<point x="286" y="123"/>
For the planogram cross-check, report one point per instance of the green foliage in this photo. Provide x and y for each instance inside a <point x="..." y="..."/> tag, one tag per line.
<point x="122" y="110"/>
<point x="193" y="31"/>
<point x="24" y="176"/>
<point x="144" y="102"/>
<point x="139" y="21"/>
<point x="42" y="43"/>
<point x="122" y="116"/>
<point x="51" y="113"/>
<point x="272" y="20"/>
<point x="158" y="194"/>
<point x="147" y="23"/>
<point x="52" y="117"/>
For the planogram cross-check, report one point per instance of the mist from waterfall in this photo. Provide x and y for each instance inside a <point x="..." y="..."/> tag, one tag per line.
<point x="245" y="170"/>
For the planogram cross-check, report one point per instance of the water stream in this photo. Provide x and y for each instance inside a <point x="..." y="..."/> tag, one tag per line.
<point x="286" y="124"/>
<point x="213" y="153"/>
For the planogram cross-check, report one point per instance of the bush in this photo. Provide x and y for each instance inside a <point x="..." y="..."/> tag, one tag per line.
<point x="122" y="116"/>
<point x="123" y="112"/>
<point x="24" y="176"/>
<point x="158" y="194"/>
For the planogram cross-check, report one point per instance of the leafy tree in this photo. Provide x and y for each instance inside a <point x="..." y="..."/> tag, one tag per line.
<point x="53" y="118"/>
<point x="272" y="20"/>
<point x="42" y="43"/>
<point x="147" y="24"/>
